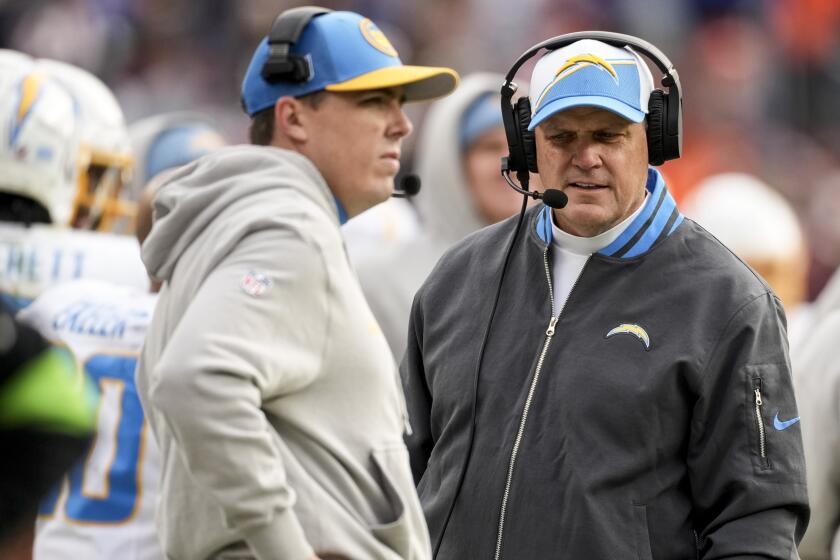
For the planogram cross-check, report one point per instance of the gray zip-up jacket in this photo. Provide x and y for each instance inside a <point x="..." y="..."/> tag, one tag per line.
<point x="651" y="418"/>
<point x="269" y="387"/>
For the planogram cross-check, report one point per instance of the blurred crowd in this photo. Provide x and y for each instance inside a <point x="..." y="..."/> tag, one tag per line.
<point x="760" y="90"/>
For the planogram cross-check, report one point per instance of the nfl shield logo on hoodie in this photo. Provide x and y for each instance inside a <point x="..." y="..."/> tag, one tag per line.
<point x="255" y="283"/>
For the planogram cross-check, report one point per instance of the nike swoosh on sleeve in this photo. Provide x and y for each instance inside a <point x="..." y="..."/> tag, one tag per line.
<point x="783" y="425"/>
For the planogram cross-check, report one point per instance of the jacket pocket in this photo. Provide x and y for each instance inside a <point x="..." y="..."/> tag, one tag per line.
<point x="759" y="428"/>
<point x="392" y="463"/>
<point x="642" y="536"/>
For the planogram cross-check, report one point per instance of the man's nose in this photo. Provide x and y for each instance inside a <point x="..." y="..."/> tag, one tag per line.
<point x="587" y="155"/>
<point x="401" y="125"/>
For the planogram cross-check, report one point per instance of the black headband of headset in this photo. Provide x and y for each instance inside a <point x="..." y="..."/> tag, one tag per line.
<point x="285" y="31"/>
<point x="670" y="78"/>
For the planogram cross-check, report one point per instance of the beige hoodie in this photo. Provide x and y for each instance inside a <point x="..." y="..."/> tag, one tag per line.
<point x="269" y="387"/>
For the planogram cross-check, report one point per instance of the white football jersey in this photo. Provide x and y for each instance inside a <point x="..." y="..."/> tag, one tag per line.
<point x="33" y="259"/>
<point x="104" y="509"/>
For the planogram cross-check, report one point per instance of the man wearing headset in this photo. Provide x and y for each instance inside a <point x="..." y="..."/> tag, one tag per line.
<point x="616" y="383"/>
<point x="270" y="389"/>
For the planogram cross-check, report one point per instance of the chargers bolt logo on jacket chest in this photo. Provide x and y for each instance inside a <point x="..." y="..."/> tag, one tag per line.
<point x="632" y="329"/>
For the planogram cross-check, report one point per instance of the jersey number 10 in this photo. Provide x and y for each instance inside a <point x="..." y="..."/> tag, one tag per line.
<point x="105" y="487"/>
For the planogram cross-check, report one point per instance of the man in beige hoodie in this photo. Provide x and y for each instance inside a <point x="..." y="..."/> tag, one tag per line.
<point x="267" y="383"/>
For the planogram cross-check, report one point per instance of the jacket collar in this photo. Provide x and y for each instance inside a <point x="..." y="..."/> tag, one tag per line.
<point x="658" y="219"/>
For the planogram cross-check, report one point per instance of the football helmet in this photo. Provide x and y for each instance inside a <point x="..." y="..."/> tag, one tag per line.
<point x="104" y="159"/>
<point x="38" y="137"/>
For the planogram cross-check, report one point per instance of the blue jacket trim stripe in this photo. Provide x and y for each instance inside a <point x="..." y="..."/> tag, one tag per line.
<point x="655" y="185"/>
<point x="662" y="219"/>
<point x="544" y="230"/>
<point x="678" y="221"/>
<point x="658" y="220"/>
<point x="640" y="231"/>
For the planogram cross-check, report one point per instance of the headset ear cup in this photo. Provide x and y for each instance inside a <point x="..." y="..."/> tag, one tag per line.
<point x="529" y="145"/>
<point x="656" y="127"/>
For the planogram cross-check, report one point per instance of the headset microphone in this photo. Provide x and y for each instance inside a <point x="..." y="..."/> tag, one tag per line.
<point x="555" y="198"/>
<point x="550" y="197"/>
<point x="409" y="186"/>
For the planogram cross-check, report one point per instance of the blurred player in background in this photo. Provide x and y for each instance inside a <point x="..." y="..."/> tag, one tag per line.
<point x="47" y="415"/>
<point x="759" y="225"/>
<point x="64" y="155"/>
<point x="105" y="509"/>
<point x="104" y="160"/>
<point x="461" y="143"/>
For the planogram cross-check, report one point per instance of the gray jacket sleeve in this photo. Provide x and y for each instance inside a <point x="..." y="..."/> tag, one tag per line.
<point x="745" y="457"/>
<point x="417" y="395"/>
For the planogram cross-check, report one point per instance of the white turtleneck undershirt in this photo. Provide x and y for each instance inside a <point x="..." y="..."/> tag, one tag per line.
<point x="570" y="253"/>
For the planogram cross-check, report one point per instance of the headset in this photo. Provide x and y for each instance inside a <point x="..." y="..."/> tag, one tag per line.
<point x="664" y="138"/>
<point x="281" y="65"/>
<point x="664" y="119"/>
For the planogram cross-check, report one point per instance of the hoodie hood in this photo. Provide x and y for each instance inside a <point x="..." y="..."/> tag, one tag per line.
<point x="219" y="199"/>
<point x="445" y="203"/>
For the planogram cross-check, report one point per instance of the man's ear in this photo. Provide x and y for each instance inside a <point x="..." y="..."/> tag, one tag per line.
<point x="289" y="121"/>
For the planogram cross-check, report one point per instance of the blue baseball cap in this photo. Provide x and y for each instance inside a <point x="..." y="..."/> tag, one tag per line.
<point x="181" y="145"/>
<point x="589" y="73"/>
<point x="482" y="115"/>
<point x="346" y="52"/>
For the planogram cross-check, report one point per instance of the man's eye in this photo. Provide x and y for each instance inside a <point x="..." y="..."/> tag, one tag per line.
<point x="562" y="137"/>
<point x="608" y="136"/>
<point x="374" y="100"/>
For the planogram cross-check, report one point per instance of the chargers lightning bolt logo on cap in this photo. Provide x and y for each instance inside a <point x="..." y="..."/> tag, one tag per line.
<point x="588" y="60"/>
<point x="580" y="62"/>
<point x="633" y="329"/>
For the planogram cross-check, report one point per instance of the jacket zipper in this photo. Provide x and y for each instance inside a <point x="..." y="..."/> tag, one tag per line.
<point x="549" y="334"/>
<point x="762" y="437"/>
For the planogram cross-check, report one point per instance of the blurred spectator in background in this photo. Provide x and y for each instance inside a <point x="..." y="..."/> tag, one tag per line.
<point x="47" y="417"/>
<point x="458" y="159"/>
<point x="169" y="140"/>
